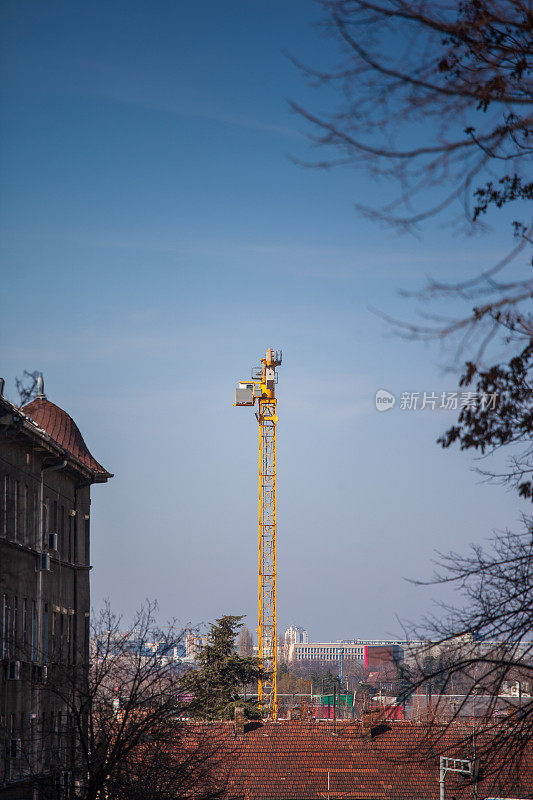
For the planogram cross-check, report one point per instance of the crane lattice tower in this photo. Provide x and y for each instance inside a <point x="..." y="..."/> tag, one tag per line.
<point x="262" y="388"/>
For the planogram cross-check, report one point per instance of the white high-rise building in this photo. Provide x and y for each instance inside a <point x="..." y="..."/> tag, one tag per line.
<point x="295" y="635"/>
<point x="194" y="643"/>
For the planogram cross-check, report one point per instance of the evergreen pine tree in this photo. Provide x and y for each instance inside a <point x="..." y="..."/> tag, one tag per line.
<point x="217" y="683"/>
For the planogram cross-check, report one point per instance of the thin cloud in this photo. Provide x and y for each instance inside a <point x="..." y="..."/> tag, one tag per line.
<point x="143" y="90"/>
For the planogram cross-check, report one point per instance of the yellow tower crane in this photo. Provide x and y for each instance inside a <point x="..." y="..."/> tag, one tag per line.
<point x="261" y="387"/>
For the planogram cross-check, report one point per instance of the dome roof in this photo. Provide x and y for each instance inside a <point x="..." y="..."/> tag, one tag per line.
<point x="62" y="429"/>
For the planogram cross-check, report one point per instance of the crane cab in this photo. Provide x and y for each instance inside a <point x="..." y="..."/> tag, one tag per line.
<point x="244" y="393"/>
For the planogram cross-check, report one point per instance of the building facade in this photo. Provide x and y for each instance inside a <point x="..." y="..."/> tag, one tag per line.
<point x="368" y="653"/>
<point x="325" y="651"/>
<point x="46" y="472"/>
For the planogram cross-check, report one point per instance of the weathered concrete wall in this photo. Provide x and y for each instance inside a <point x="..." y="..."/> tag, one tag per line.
<point x="44" y="614"/>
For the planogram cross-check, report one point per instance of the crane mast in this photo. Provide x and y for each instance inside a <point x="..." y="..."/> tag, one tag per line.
<point x="261" y="387"/>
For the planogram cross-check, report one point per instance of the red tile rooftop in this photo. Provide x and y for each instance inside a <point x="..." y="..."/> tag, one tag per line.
<point x="63" y="430"/>
<point x="308" y="760"/>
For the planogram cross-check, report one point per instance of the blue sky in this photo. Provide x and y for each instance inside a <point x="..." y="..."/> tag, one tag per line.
<point x="156" y="237"/>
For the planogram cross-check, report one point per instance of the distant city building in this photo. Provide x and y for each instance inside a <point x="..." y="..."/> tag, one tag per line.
<point x="324" y="651"/>
<point x="46" y="472"/>
<point x="159" y="649"/>
<point x="295" y="635"/>
<point x="194" y="644"/>
<point x="369" y="653"/>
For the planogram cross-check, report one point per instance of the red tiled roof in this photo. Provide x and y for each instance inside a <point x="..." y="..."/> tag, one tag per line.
<point x="284" y="760"/>
<point x="62" y="429"/>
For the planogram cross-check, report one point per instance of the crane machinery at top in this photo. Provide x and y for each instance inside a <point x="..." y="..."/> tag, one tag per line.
<point x="261" y="388"/>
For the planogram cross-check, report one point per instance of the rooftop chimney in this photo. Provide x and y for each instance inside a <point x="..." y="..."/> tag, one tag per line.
<point x="369" y="720"/>
<point x="239" y="721"/>
<point x="40" y="387"/>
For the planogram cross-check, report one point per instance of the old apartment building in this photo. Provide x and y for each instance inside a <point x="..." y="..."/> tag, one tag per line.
<point x="46" y="472"/>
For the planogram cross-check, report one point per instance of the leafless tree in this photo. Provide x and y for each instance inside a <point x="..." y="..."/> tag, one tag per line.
<point x="122" y="734"/>
<point x="245" y="643"/>
<point x="437" y="100"/>
<point x="481" y="650"/>
<point x="27" y="386"/>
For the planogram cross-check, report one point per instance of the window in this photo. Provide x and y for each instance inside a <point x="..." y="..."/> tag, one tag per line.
<point x="52" y="741"/>
<point x="33" y="631"/>
<point x="6" y="505"/>
<point x="69" y="638"/>
<point x="45" y="634"/>
<point x="35" y="521"/>
<point x="59" y="737"/>
<point x="5" y="626"/>
<point x="70" y="534"/>
<point x="24" y="516"/>
<point x="43" y="738"/>
<point x="13" y="749"/>
<point x="54" y="648"/>
<point x="62" y="532"/>
<point x="24" y="639"/>
<point x="75" y="555"/>
<point x="61" y="636"/>
<point x="15" y="625"/>
<point x="16" y="502"/>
